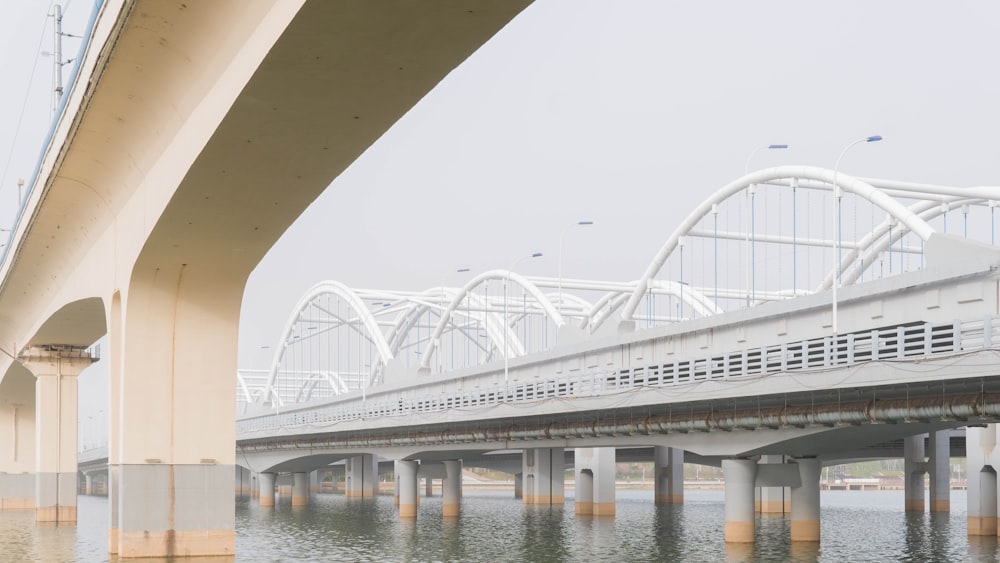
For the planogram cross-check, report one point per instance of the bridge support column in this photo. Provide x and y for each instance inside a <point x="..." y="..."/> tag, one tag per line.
<point x="88" y="488"/>
<point x="254" y="486"/>
<point x="668" y="468"/>
<point x="939" y="470"/>
<point x="595" y="478"/>
<point x="314" y="480"/>
<point x="773" y="500"/>
<point x="55" y="370"/>
<point x="406" y="476"/>
<point x="361" y="479"/>
<point x="17" y="440"/>
<point x="429" y="487"/>
<point x="981" y="452"/>
<point x="519" y="485"/>
<point x="300" y="489"/>
<point x="740" y="476"/>
<point x="267" y="485"/>
<point x="914" y="467"/>
<point x="805" y="501"/>
<point x="451" y="489"/>
<point x="544" y="481"/>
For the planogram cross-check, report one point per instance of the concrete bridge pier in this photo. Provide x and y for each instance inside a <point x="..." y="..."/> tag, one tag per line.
<point x="805" y="501"/>
<point x="55" y="369"/>
<point x="267" y="484"/>
<point x="668" y="467"/>
<point x="939" y="467"/>
<point x="88" y="487"/>
<point x="361" y="478"/>
<point x="914" y="467"/>
<point x="406" y="478"/>
<point x="519" y="485"/>
<point x="429" y="487"/>
<point x="17" y="440"/>
<point x="451" y="489"/>
<point x="300" y="489"/>
<point x="740" y="476"/>
<point x="595" y="481"/>
<point x="254" y="486"/>
<point x="314" y="480"/>
<point x="773" y="500"/>
<point x="544" y="481"/>
<point x="982" y="458"/>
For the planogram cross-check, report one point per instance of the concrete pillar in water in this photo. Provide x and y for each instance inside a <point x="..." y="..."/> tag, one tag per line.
<point x="314" y="480"/>
<point x="518" y="485"/>
<point x="914" y="467"/>
<point x="361" y="480"/>
<point x="584" y="491"/>
<point x="429" y="487"/>
<point x="805" y="501"/>
<point x="773" y="500"/>
<point x="88" y="488"/>
<point x="267" y="482"/>
<point x="254" y="486"/>
<point x="740" y="476"/>
<point x="543" y="471"/>
<point x="939" y="470"/>
<point x="17" y="428"/>
<point x="55" y="369"/>
<point x="300" y="489"/>
<point x="406" y="476"/>
<point x="980" y="448"/>
<point x="668" y="469"/>
<point x="451" y="489"/>
<point x="595" y="470"/>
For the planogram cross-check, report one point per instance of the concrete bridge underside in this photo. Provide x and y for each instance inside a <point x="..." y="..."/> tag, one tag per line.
<point x="195" y="135"/>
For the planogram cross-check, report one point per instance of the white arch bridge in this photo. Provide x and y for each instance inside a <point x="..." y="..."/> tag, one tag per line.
<point x="773" y="235"/>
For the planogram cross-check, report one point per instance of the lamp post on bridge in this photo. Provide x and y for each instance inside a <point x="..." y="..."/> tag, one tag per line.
<point x="444" y="299"/>
<point x="837" y="196"/>
<point x="561" y="237"/>
<point x="506" y="330"/>
<point x="750" y="239"/>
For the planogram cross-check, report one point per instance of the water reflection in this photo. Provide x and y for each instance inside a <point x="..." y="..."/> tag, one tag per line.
<point x="496" y="527"/>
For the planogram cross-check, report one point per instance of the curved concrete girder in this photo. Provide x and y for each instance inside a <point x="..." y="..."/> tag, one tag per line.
<point x="459" y="296"/>
<point x="844" y="181"/>
<point x="354" y="302"/>
<point x="80" y="323"/>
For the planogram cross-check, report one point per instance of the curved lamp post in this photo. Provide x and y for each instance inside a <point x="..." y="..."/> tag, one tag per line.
<point x="561" y="237"/>
<point x="837" y="195"/>
<point x="506" y="327"/>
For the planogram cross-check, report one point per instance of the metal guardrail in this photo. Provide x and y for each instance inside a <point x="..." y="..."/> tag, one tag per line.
<point x="904" y="342"/>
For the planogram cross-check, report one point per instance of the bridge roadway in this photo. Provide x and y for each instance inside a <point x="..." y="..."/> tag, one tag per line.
<point x="917" y="353"/>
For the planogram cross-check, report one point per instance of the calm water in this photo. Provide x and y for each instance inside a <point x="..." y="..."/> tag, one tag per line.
<point x="856" y="526"/>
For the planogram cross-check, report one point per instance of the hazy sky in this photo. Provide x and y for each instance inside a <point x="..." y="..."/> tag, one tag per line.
<point x="624" y="113"/>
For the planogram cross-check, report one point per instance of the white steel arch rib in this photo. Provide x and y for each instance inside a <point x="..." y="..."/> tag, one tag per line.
<point x="323" y="288"/>
<point x="459" y="296"/>
<point x="846" y="182"/>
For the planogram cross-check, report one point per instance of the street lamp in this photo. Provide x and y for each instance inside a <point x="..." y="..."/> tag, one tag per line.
<point x="750" y="239"/>
<point x="561" y="237"/>
<point x="506" y="349"/>
<point x="444" y="299"/>
<point x="837" y="195"/>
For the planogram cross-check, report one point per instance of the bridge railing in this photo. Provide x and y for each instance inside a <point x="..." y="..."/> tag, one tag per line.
<point x="903" y="342"/>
